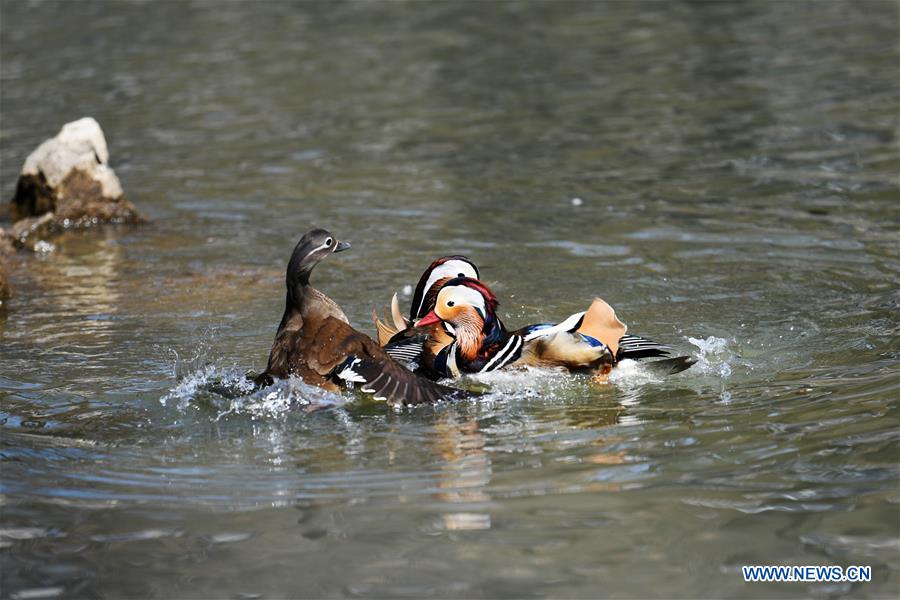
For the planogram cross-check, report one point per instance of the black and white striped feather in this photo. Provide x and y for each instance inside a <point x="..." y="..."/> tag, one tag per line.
<point x="635" y="346"/>
<point x="394" y="384"/>
<point x="509" y="353"/>
<point x="408" y="351"/>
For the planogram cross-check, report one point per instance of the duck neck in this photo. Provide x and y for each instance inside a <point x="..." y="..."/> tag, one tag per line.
<point x="297" y="285"/>
<point x="476" y="344"/>
<point x="298" y="289"/>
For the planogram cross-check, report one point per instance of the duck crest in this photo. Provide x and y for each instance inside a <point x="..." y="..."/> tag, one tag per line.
<point x="482" y="340"/>
<point x="433" y="279"/>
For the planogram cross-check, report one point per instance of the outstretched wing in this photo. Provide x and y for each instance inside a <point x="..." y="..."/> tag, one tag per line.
<point x="387" y="380"/>
<point x="347" y="356"/>
<point x="419" y="348"/>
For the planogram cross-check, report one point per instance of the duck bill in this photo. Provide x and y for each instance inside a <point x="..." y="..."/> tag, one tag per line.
<point x="429" y="319"/>
<point x="341" y="246"/>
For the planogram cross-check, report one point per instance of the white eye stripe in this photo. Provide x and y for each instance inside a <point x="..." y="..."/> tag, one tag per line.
<point x="451" y="268"/>
<point x="325" y="245"/>
<point x="466" y="295"/>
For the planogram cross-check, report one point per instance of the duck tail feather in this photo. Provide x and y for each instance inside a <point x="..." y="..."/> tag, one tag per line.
<point x="670" y="366"/>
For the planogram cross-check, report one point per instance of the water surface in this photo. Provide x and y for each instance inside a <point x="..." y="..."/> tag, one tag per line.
<point x="736" y="165"/>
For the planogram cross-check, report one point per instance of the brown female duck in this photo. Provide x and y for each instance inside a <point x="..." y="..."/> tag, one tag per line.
<point x="316" y="342"/>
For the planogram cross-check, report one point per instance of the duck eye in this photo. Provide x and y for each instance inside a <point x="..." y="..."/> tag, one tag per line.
<point x="329" y="241"/>
<point x="451" y="303"/>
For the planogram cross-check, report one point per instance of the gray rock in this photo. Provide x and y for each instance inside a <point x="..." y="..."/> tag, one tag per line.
<point x="68" y="176"/>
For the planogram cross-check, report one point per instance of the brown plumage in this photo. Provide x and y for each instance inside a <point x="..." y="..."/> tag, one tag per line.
<point x="316" y="342"/>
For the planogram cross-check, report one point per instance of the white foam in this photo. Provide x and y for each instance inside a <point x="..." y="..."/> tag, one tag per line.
<point x="230" y="392"/>
<point x="194" y="383"/>
<point x="526" y="382"/>
<point x="631" y="373"/>
<point x="715" y="356"/>
<point x="284" y="396"/>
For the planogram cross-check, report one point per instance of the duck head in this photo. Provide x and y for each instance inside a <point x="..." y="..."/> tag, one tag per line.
<point x="468" y="310"/>
<point x="433" y="279"/>
<point x="315" y="245"/>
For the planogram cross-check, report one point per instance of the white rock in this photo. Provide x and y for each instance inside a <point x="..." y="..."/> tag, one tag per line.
<point x="79" y="145"/>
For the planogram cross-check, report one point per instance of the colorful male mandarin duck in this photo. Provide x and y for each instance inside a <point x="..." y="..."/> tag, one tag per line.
<point x="417" y="347"/>
<point x="435" y="276"/>
<point x="316" y="342"/>
<point x="592" y="341"/>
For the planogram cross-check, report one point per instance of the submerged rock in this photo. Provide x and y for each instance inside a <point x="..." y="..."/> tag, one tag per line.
<point x="27" y="233"/>
<point x="68" y="176"/>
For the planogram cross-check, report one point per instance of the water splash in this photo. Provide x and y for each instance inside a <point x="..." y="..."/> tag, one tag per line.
<point x="631" y="373"/>
<point x="230" y="392"/>
<point x="206" y="380"/>
<point x="287" y="395"/>
<point x="526" y="382"/>
<point x="715" y="357"/>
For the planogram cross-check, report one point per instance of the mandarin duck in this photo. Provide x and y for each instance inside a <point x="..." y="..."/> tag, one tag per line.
<point x="316" y="342"/>
<point x="433" y="278"/>
<point x="434" y="338"/>
<point x="591" y="341"/>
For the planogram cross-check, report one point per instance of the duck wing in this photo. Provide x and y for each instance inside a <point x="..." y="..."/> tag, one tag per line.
<point x="349" y="357"/>
<point x="281" y="354"/>
<point x="670" y="366"/>
<point x="408" y="345"/>
<point x="600" y="322"/>
<point x="390" y="381"/>
<point x="635" y="347"/>
<point x="419" y="348"/>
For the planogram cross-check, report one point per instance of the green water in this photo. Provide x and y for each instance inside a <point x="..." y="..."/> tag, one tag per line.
<point x="737" y="165"/>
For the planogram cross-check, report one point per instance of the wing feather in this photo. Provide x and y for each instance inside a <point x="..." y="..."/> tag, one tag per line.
<point x="388" y="380"/>
<point x="635" y="346"/>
